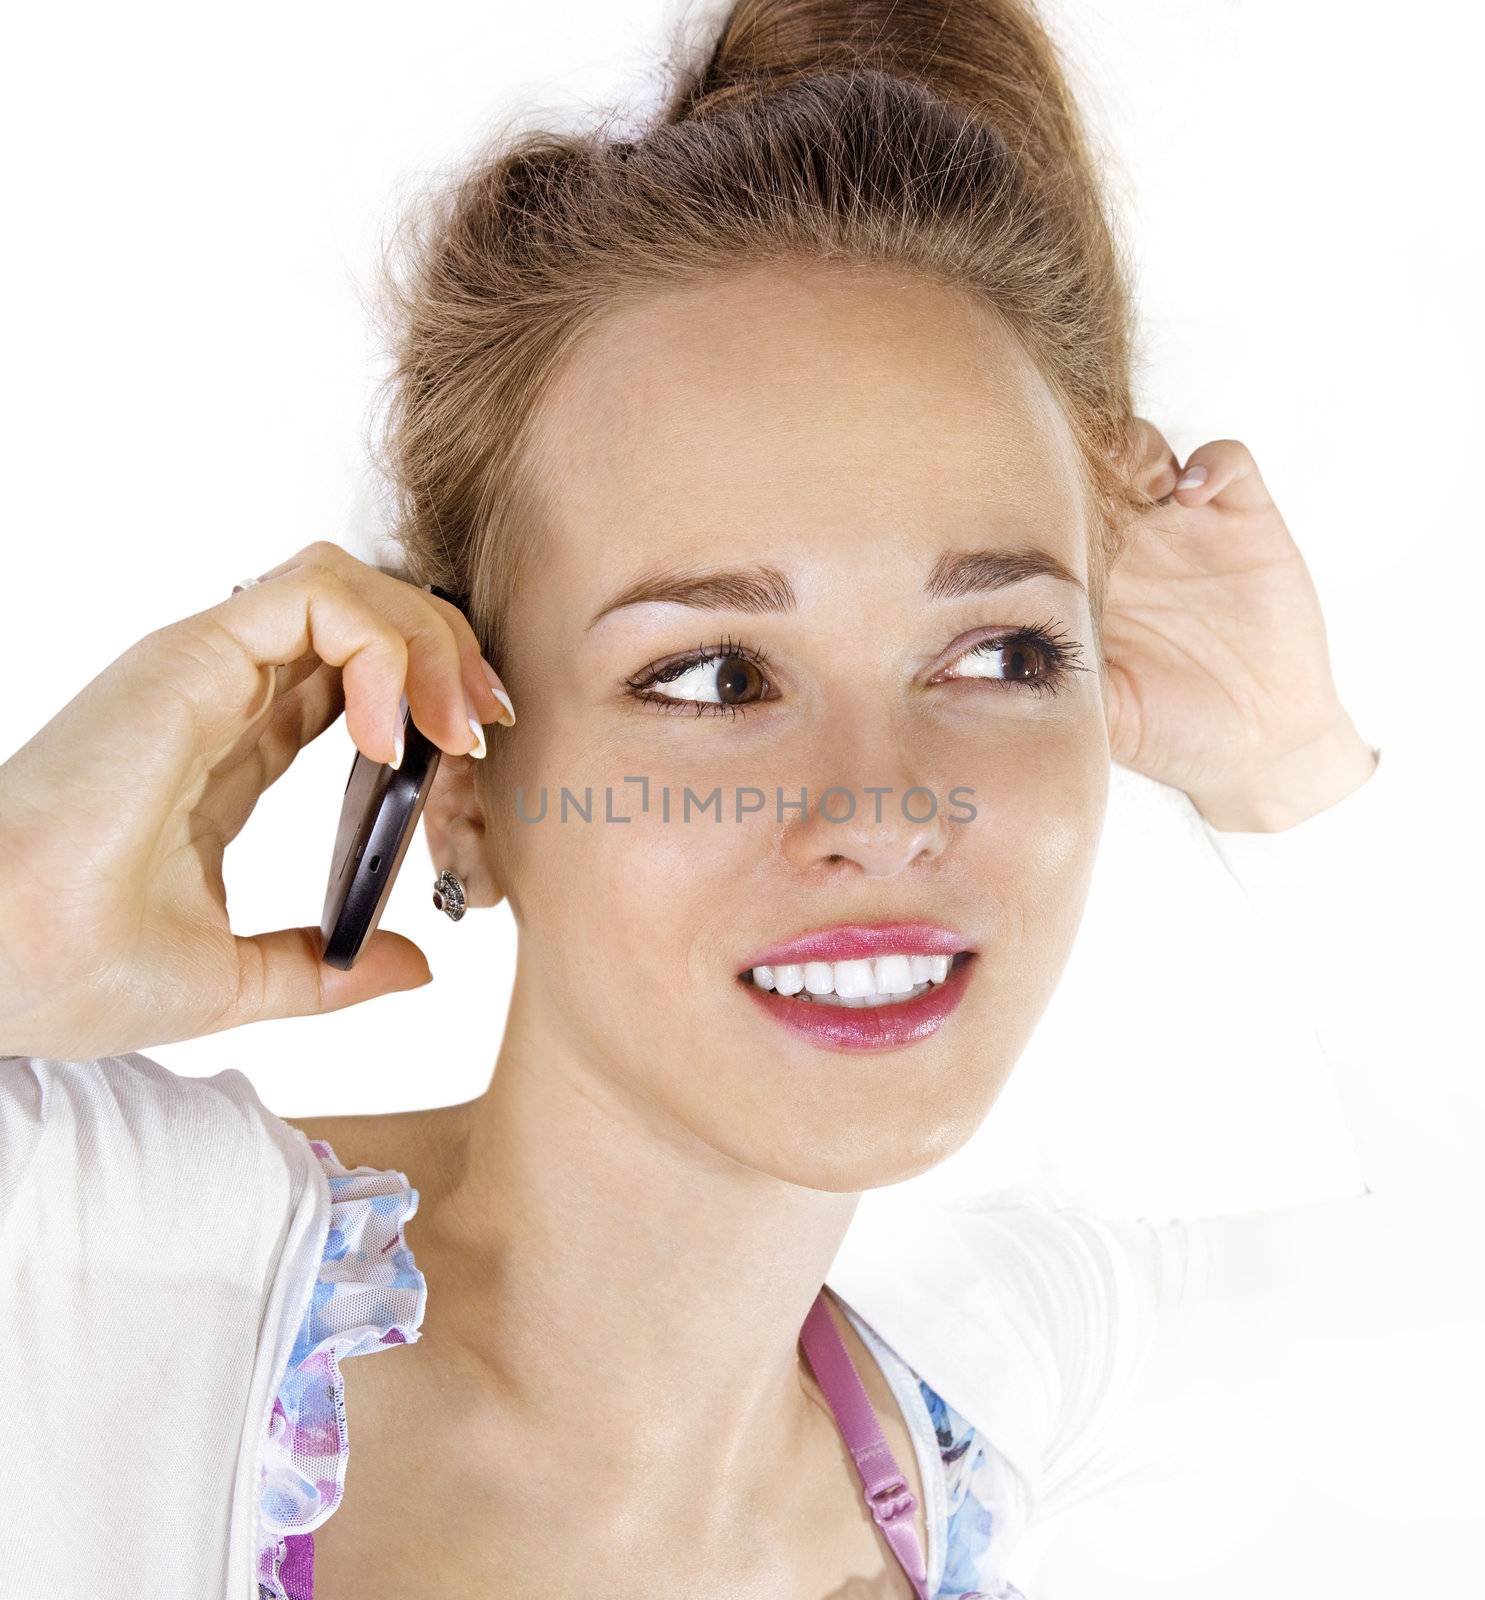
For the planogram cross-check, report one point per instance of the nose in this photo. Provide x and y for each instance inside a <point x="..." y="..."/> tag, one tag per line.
<point x="876" y="814"/>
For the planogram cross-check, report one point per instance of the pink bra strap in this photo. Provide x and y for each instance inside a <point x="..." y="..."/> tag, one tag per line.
<point x="892" y="1502"/>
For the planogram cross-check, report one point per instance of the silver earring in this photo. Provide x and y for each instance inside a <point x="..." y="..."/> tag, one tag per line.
<point x="448" y="894"/>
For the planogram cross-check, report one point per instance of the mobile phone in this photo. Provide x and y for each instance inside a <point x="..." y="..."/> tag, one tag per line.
<point x="378" y="817"/>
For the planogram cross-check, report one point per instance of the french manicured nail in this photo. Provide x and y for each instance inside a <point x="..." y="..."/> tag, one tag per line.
<point x="479" y="733"/>
<point x="1194" y="478"/>
<point x="490" y="677"/>
<point x="397" y="740"/>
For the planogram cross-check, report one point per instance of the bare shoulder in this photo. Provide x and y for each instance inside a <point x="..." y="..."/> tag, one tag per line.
<point x="350" y="1137"/>
<point x="404" y="1141"/>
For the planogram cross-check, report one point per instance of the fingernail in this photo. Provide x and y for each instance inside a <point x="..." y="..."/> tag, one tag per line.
<point x="479" y="734"/>
<point x="397" y="740"/>
<point x="1194" y="478"/>
<point x="490" y="676"/>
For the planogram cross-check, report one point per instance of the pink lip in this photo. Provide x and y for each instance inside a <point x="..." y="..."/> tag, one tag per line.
<point x="887" y="1027"/>
<point x="857" y="941"/>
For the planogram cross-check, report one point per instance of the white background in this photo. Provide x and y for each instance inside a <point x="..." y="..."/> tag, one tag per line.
<point x="195" y="201"/>
<point x="195" y="197"/>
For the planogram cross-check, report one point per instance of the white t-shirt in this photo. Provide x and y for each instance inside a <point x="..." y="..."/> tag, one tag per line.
<point x="159" y="1237"/>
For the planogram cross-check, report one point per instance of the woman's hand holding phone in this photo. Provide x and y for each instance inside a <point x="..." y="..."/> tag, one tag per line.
<point x="114" y="817"/>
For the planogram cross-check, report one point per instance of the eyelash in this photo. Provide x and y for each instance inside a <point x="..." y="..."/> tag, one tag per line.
<point x="1061" y="652"/>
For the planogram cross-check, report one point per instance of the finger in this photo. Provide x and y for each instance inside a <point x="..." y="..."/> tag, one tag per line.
<point x="1156" y="465"/>
<point x="285" y="680"/>
<point x="1229" y="478"/>
<point x="485" y="697"/>
<point x="307" y="609"/>
<point x="299" y="718"/>
<point x="264" y="754"/>
<point x="487" y="693"/>
<point x="281" y="974"/>
<point x="436" y="694"/>
<point x="449" y="650"/>
<point x="313" y="705"/>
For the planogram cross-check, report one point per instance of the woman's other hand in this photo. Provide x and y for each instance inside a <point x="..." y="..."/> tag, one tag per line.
<point x="1219" y="679"/>
<point x="114" y="817"/>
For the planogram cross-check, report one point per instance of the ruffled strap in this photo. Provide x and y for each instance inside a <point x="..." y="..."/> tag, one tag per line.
<point x="368" y="1294"/>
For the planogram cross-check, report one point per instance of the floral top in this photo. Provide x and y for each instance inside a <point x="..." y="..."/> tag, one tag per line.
<point x="369" y="1294"/>
<point x="974" y="1478"/>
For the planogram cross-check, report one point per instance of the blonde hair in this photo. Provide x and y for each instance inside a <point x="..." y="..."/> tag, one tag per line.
<point x="938" y="137"/>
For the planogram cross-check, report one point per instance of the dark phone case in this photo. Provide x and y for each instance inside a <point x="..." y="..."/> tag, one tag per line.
<point x="378" y="817"/>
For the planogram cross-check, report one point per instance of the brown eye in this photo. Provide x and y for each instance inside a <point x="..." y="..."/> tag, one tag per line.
<point x="1038" y="659"/>
<point x="1015" y="660"/>
<point x="735" y="680"/>
<point x="724" y="679"/>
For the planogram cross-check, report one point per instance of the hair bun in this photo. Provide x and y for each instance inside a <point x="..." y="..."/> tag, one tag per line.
<point x="993" y="58"/>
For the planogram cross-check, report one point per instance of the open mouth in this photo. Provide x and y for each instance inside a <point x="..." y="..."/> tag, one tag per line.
<point x="857" y="984"/>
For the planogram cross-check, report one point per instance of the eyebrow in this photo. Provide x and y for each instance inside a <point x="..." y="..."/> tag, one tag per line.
<point x="764" y="589"/>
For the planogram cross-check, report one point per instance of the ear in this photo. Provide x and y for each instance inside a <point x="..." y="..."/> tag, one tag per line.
<point x="1155" y="466"/>
<point x="454" y="826"/>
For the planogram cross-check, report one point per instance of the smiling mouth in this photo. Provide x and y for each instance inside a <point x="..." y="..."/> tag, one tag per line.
<point x="798" y="979"/>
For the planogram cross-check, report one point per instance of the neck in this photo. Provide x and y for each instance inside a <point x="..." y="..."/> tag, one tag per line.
<point x="609" y="1270"/>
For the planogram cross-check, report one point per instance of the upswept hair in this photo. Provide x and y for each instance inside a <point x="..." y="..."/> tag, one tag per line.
<point x="935" y="137"/>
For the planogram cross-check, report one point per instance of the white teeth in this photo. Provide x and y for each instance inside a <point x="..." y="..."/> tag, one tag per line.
<point x="818" y="978"/>
<point x="894" y="975"/>
<point x="868" y="999"/>
<point x="852" y="978"/>
<point x="876" y="981"/>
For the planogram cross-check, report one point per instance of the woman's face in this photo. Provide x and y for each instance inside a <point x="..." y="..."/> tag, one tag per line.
<point x="850" y="434"/>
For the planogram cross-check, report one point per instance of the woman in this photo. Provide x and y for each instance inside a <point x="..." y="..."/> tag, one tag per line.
<point x="788" y="447"/>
